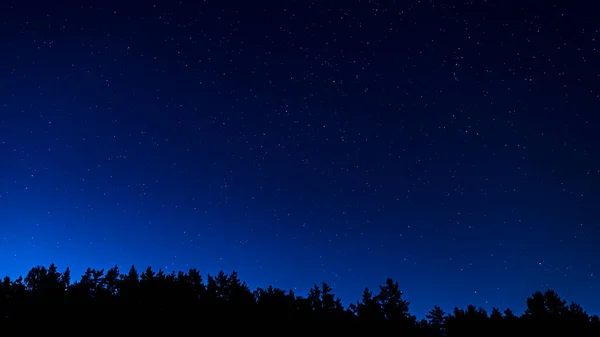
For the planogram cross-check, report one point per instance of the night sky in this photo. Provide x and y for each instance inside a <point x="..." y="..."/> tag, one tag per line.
<point x="451" y="146"/>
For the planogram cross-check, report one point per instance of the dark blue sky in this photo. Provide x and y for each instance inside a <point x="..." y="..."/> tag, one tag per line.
<point x="451" y="147"/>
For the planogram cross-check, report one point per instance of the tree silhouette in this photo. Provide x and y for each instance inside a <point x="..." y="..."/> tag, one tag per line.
<point x="275" y="303"/>
<point x="390" y="300"/>
<point x="437" y="318"/>
<point x="111" y="281"/>
<point x="182" y="298"/>
<point x="368" y="308"/>
<point x="545" y="306"/>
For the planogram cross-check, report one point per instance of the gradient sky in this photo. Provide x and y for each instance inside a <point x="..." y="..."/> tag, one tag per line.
<point x="450" y="146"/>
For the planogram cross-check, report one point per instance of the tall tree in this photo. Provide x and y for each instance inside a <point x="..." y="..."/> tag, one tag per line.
<point x="436" y="317"/>
<point x="394" y="307"/>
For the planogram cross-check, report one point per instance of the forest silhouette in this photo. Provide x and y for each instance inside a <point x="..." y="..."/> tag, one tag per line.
<point x="154" y="297"/>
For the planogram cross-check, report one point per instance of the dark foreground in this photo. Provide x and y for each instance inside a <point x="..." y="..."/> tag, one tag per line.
<point x="154" y="299"/>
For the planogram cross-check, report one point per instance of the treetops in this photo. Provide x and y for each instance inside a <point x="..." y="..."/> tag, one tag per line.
<point x="110" y="293"/>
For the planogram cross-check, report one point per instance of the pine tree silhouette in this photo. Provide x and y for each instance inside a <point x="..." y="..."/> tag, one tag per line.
<point x="183" y="298"/>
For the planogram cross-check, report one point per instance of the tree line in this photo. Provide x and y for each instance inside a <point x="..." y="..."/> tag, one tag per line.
<point x="185" y="297"/>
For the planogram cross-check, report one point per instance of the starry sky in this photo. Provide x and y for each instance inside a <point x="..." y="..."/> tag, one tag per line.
<point x="448" y="145"/>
